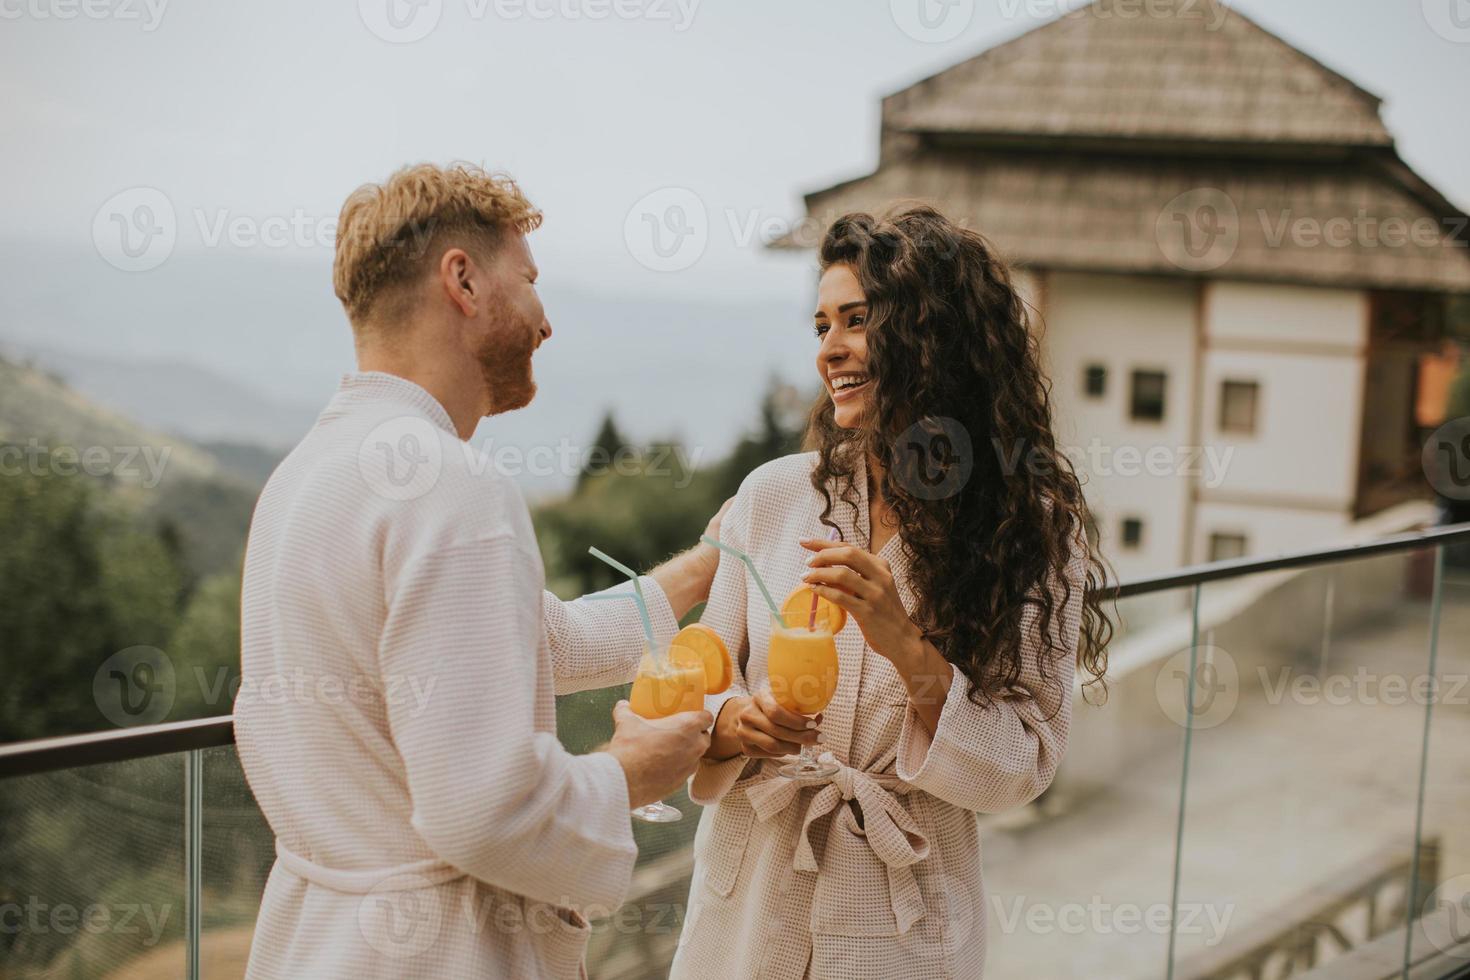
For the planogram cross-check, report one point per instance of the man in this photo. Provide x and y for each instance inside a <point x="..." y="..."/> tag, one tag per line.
<point x="396" y="719"/>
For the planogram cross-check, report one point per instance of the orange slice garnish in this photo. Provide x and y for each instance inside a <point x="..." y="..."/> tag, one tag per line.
<point x="798" y="605"/>
<point x="718" y="671"/>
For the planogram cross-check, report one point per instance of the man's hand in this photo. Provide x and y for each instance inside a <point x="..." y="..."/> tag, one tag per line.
<point x="657" y="756"/>
<point x="759" y="728"/>
<point x="686" y="577"/>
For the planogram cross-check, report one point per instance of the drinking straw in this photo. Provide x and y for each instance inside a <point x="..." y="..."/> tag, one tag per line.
<point x="642" y="610"/>
<point x="811" y="619"/>
<point x="643" y="603"/>
<point x="753" y="573"/>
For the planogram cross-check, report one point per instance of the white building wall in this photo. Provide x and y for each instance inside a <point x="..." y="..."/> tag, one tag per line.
<point x="1129" y="468"/>
<point x="1290" y="484"/>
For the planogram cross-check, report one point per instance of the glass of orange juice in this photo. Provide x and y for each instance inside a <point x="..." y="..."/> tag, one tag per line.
<point x="802" y="665"/>
<point x="666" y="686"/>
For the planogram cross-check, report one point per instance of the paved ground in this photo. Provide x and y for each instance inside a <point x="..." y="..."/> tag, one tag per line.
<point x="1281" y="795"/>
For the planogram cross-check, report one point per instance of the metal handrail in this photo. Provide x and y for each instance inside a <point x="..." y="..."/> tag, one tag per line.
<point x="69" y="751"/>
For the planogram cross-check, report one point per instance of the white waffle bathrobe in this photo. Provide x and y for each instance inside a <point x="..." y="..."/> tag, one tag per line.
<point x="877" y="874"/>
<point x="396" y="717"/>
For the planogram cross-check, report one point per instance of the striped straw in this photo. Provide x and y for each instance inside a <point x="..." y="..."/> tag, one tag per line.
<point x="643" y="611"/>
<point x="637" y="590"/>
<point x="753" y="573"/>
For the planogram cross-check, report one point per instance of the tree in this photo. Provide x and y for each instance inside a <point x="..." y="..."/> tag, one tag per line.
<point x="608" y="448"/>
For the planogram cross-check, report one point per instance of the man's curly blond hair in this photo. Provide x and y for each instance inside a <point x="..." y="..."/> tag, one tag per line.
<point x="388" y="233"/>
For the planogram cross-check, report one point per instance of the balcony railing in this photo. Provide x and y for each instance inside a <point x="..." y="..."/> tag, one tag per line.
<point x="1278" y="785"/>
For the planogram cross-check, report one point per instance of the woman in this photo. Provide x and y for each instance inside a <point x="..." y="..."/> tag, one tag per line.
<point x="963" y="565"/>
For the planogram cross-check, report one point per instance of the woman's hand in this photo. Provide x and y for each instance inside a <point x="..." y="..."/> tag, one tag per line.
<point x="862" y="583"/>
<point x="757" y="727"/>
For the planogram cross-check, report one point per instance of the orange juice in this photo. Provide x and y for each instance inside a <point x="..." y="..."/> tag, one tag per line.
<point x="802" y="665"/>
<point x="678" y="687"/>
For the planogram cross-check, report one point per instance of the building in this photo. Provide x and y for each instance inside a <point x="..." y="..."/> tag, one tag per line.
<point x="1238" y="278"/>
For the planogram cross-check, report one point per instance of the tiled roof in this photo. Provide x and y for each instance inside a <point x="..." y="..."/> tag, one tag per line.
<point x="1161" y="69"/>
<point x="1163" y="137"/>
<point x="1305" y="222"/>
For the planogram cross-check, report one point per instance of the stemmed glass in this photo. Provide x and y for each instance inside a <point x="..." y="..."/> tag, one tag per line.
<point x="802" y="666"/>
<point x="667" y="683"/>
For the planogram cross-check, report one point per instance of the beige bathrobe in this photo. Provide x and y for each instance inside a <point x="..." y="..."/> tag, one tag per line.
<point x="396" y="717"/>
<point x="876" y="874"/>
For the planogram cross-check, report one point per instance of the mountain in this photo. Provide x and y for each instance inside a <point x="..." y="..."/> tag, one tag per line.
<point x="205" y="498"/>
<point x="245" y="346"/>
<point x="198" y="403"/>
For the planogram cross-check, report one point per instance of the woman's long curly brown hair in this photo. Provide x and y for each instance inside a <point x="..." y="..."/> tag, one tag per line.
<point x="952" y="358"/>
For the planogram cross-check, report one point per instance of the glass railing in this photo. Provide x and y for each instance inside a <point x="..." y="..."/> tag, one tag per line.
<point x="1277" y="785"/>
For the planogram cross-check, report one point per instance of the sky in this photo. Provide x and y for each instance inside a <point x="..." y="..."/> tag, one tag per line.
<point x="250" y="122"/>
<point x="275" y="110"/>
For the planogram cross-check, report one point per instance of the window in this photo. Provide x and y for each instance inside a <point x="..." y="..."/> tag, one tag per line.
<point x="1238" y="406"/>
<point x="1132" y="532"/>
<point x="1095" y="381"/>
<point x="1148" y="396"/>
<point x="1224" y="547"/>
